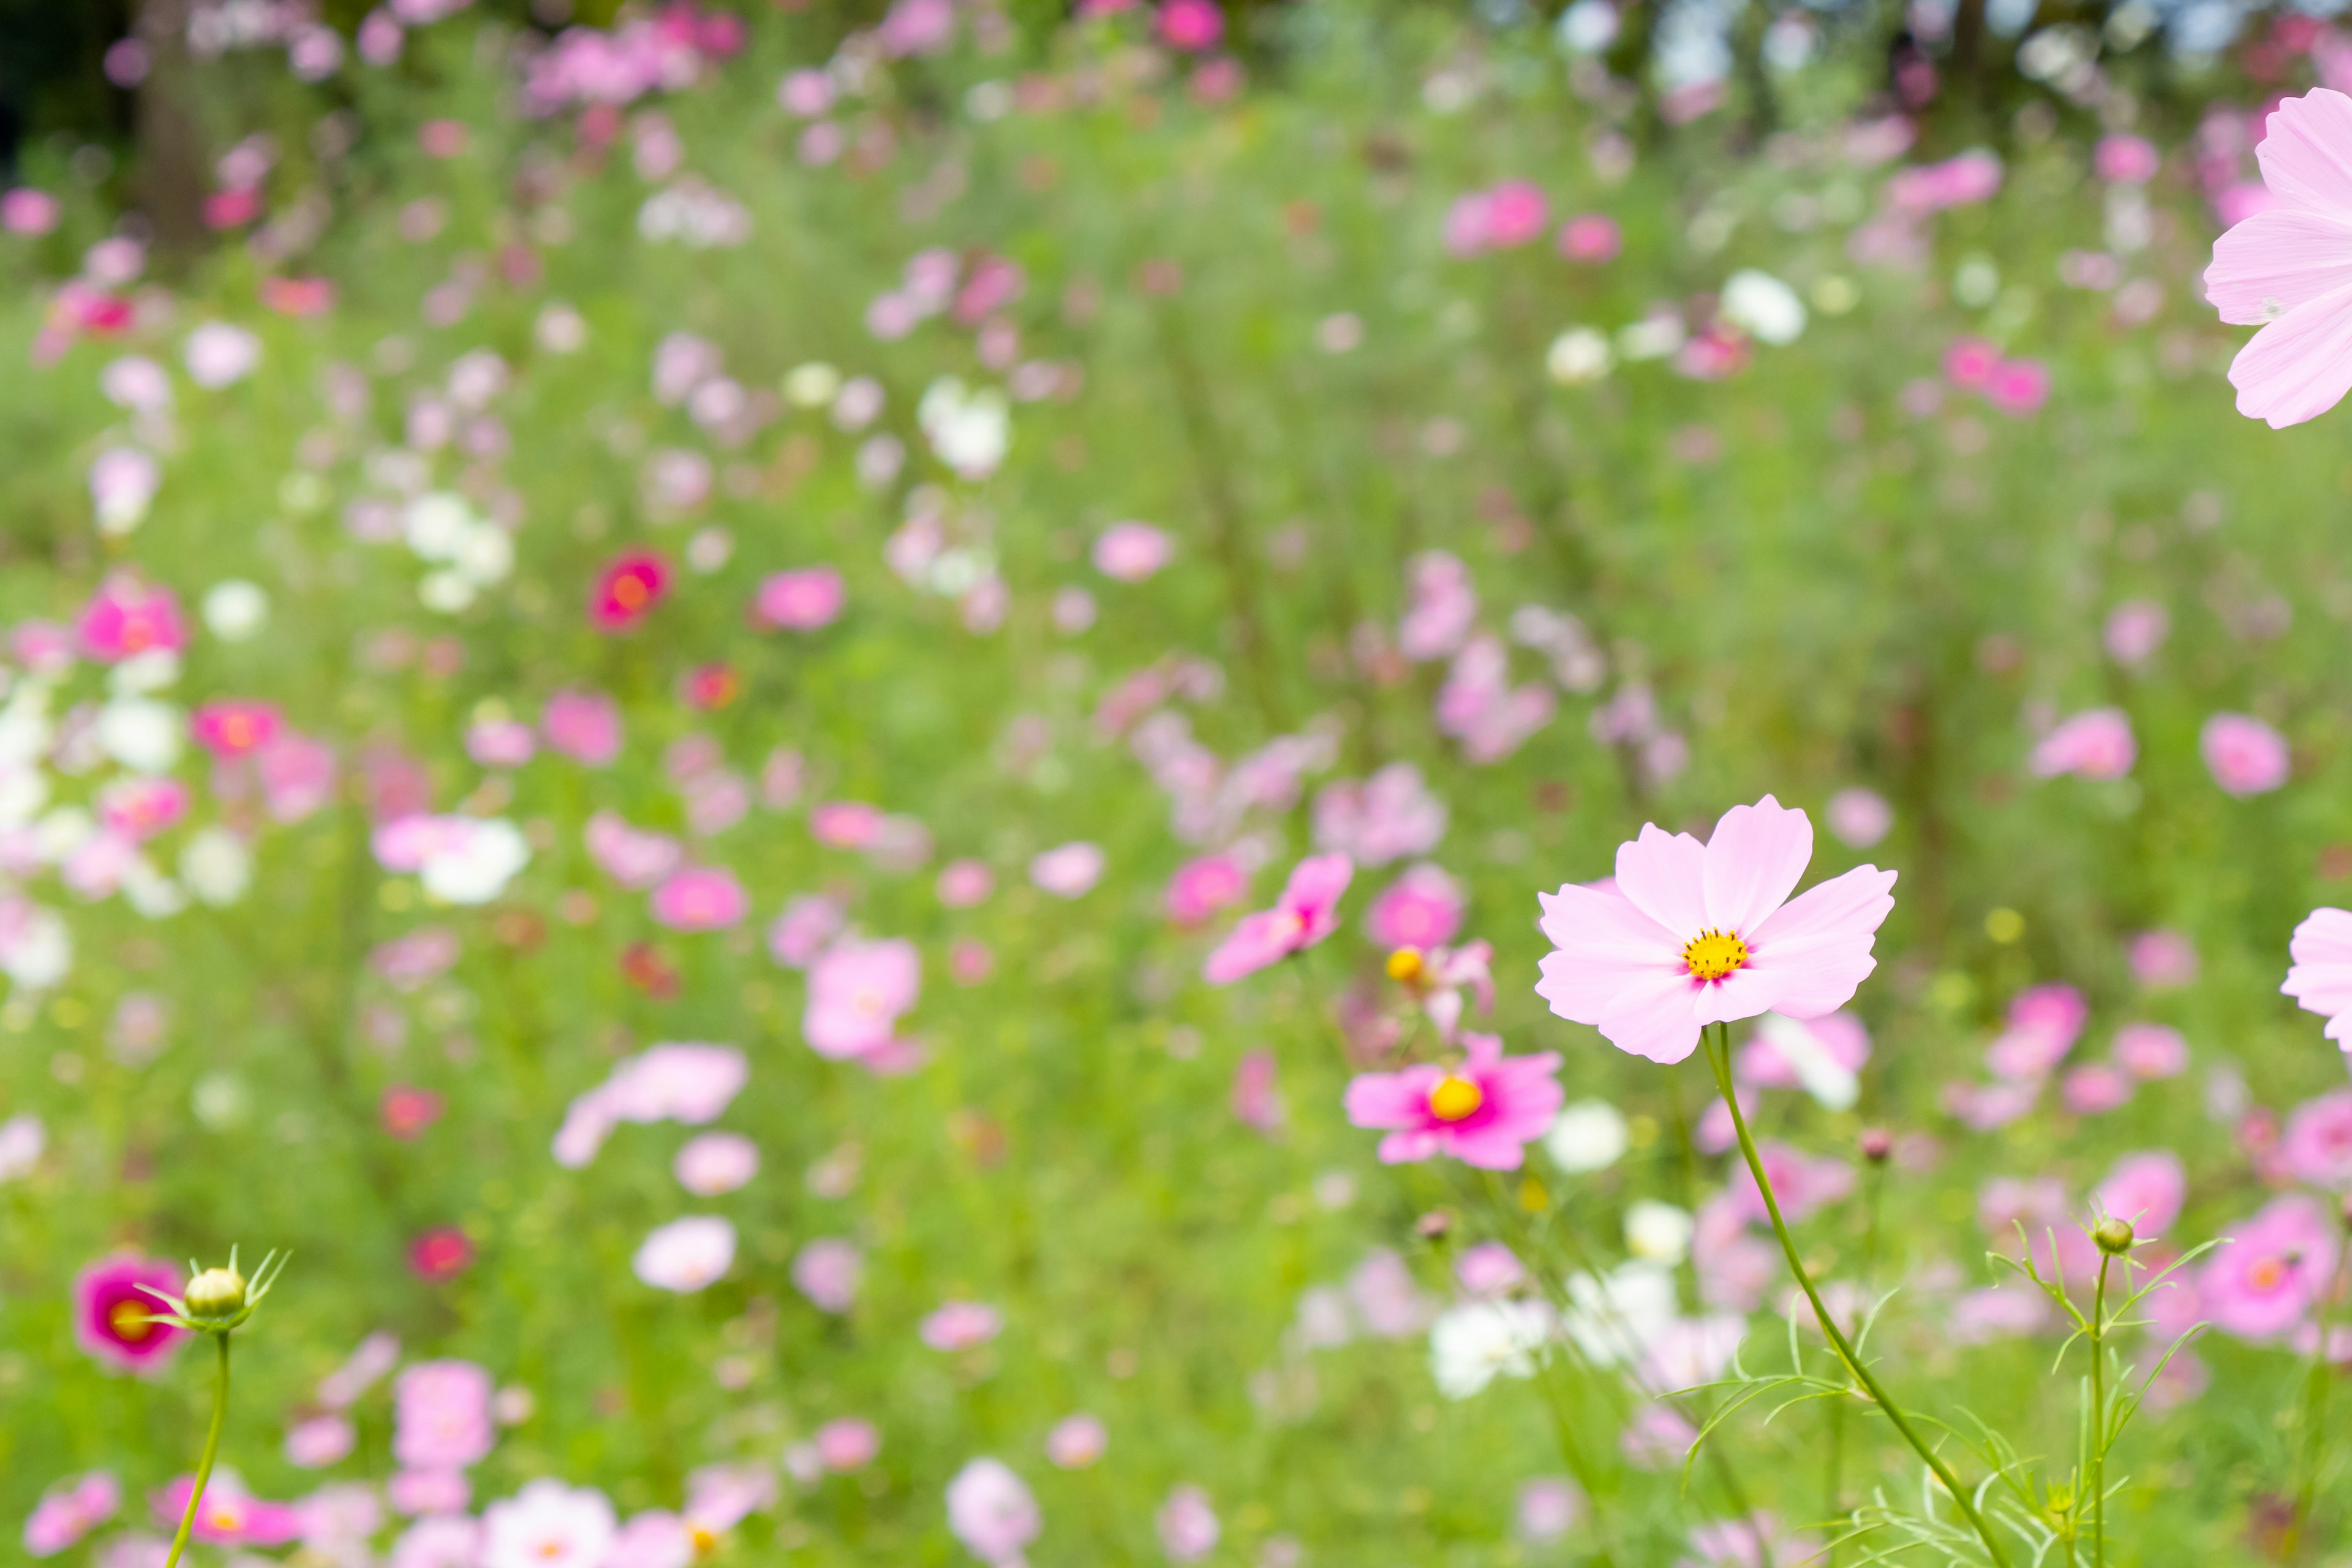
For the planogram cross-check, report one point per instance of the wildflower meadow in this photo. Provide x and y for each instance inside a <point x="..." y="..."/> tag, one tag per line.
<point x="1275" y="786"/>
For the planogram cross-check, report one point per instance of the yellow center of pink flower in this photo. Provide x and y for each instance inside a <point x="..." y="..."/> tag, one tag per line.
<point x="1712" y="954"/>
<point x="1406" y="965"/>
<point x="1454" y="1099"/>
<point x="130" y="1321"/>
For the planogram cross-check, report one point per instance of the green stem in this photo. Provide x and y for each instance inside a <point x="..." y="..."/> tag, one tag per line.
<point x="2099" y="1417"/>
<point x="1836" y="1482"/>
<point x="1717" y="1038"/>
<point x="2315" y="1410"/>
<point x="212" y="1451"/>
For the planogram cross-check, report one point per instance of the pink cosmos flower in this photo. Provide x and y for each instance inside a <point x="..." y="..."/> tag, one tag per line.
<point x="1131" y="551"/>
<point x="1076" y="1442"/>
<point x="1445" y="607"/>
<point x="2094" y="744"/>
<point x="2244" y="755"/>
<point x="229" y="1515"/>
<point x="2150" y="1050"/>
<point x="1789" y="1057"/>
<point x="1069" y="870"/>
<point x="993" y="1513"/>
<point x="845" y="823"/>
<point x="429" y="1491"/>
<point x="136" y="809"/>
<point x="686" y="1254"/>
<point x="2126" y="159"/>
<point x="297" y="776"/>
<point x="234" y="729"/>
<point x="320" y="1441"/>
<point x="846" y="1444"/>
<point x="2285" y="269"/>
<point x="1306" y="914"/>
<point x="2161" y="960"/>
<point x="686" y="1081"/>
<point x="1970" y="361"/>
<point x="797" y="935"/>
<point x="1204" y="885"/>
<point x="800" y="601"/>
<point x="2044" y="1022"/>
<point x="1958" y="181"/>
<point x="1388" y="817"/>
<point x="548" y="1525"/>
<point x="1694" y="934"/>
<point x="2135" y="630"/>
<point x="500" y="742"/>
<point x="1188" y="1525"/>
<point x="700" y="898"/>
<point x="69" y="1511"/>
<point x="716" y="1163"/>
<point x="1489" y="1269"/>
<point x="857" y="992"/>
<point x="2320" y="979"/>
<point x="2262" y="1285"/>
<point x="113" y="1315"/>
<point x="1590" y="237"/>
<point x="2017" y="387"/>
<point x="127" y="617"/>
<point x="962" y="1325"/>
<point x="628" y="589"/>
<point x="1802" y="1183"/>
<point x="2319" y="1144"/>
<point x="1256" y="1101"/>
<point x="655" y="1538"/>
<point x="583" y="725"/>
<point x="2095" y="1089"/>
<point x="2146" y="1191"/>
<point x="1191" y="25"/>
<point x="827" y="1271"/>
<point x="1483" y="1112"/>
<point x="964" y="883"/>
<point x="1859" y="818"/>
<point x="1421" y="908"/>
<point x="441" y="1415"/>
<point x="633" y="858"/>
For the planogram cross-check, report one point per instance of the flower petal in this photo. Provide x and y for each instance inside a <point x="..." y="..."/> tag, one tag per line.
<point x="2276" y="260"/>
<point x="1664" y="874"/>
<point x="1753" y="861"/>
<point x="2306" y="152"/>
<point x="1852" y="905"/>
<point x="1605" y="944"/>
<point x="2299" y="366"/>
<point x="1653" y="1017"/>
<point x="1742" y="993"/>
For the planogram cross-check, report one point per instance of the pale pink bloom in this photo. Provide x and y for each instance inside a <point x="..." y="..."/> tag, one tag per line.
<point x="429" y="1491"/>
<point x="1421" y="908"/>
<point x="2007" y="1311"/>
<point x="827" y="1272"/>
<point x="1802" y="1183"/>
<point x="1858" y="818"/>
<point x="1483" y="1112"/>
<point x="654" y="1539"/>
<point x="1068" y="871"/>
<point x="796" y="936"/>
<point x="961" y="1326"/>
<point x="993" y="1513"/>
<point x="228" y="1515"/>
<point x="1693" y="1351"/>
<point x="2018" y="385"/>
<point x="800" y="601"/>
<point x="339" y="1518"/>
<point x="69" y="1511"/>
<point x="2095" y="1088"/>
<point x="1076" y="1442"/>
<point x="847" y="1443"/>
<point x="2146" y="1191"/>
<point x="1656" y="1437"/>
<point x="1444" y="607"/>
<point x="2277" y="1264"/>
<point x="1204" y="885"/>
<point x="700" y="898"/>
<point x="2044" y="1022"/>
<point x="1839" y="1037"/>
<point x="2161" y="960"/>
<point x="1132" y="552"/>
<point x="964" y="883"/>
<point x="1489" y="1269"/>
<point x="1694" y="934"/>
<point x="686" y="1254"/>
<point x="633" y="858"/>
<point x="970" y="962"/>
<point x="1188" y="1525"/>
<point x="320" y="1441"/>
<point x="1255" y="1101"/>
<point x="1958" y="181"/>
<point x="1445" y="974"/>
<point x="857" y="992"/>
<point x="687" y="1082"/>
<point x="369" y="1360"/>
<point x="2320" y="979"/>
<point x="583" y="725"/>
<point x="844" y="823"/>
<point x="2126" y="159"/>
<point x="2135" y="630"/>
<point x="24" y="210"/>
<point x="1479" y="707"/>
<point x="716" y="1163"/>
<point x="2244" y="755"/>
<point x="1388" y="817"/>
<point x="441" y="1415"/>
<point x="1590" y="237"/>
<point x="1306" y="914"/>
<point x="721" y="1497"/>
<point x="297" y="776"/>
<point x="1983" y="1108"/>
<point x="2094" y="744"/>
<point x="135" y="809"/>
<point x="1383" y="1290"/>
<point x="2319" y="1144"/>
<point x="2286" y="268"/>
<point x="219" y="354"/>
<point x="548" y="1525"/>
<point x="2150" y="1050"/>
<point x="500" y="742"/>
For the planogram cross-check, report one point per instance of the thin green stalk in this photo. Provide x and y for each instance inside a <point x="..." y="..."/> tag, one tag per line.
<point x="1835" y="1480"/>
<point x="212" y="1451"/>
<point x="1717" y="1038"/>
<point x="2099" y="1416"/>
<point x="2314" y="1409"/>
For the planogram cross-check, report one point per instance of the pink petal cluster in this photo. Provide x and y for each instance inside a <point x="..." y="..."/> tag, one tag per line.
<point x="2276" y="1266"/>
<point x="1693" y="934"/>
<point x="69" y="1511"/>
<point x="684" y="1082"/>
<point x="857" y="992"/>
<point x="1427" y="1112"/>
<point x="441" y="1415"/>
<point x="1421" y="908"/>
<point x="2287" y="270"/>
<point x="1307" y="912"/>
<point x="993" y="1513"/>
<point x="1510" y="214"/>
<point x="2244" y="755"/>
<point x="2320" y="980"/>
<point x="2094" y="744"/>
<point x="1386" y="817"/>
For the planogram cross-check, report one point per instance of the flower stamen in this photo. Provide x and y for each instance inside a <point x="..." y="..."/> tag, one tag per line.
<point x="1712" y="954"/>
<point x="1456" y="1099"/>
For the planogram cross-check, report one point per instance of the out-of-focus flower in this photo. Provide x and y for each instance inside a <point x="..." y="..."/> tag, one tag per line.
<point x="1473" y="1343"/>
<point x="1076" y="1442"/>
<point x="716" y="1163"/>
<point x="1483" y="1112"/>
<point x="1591" y="1135"/>
<point x="962" y="1325"/>
<point x="69" y="1511"/>
<point x="2320" y="979"/>
<point x="441" y="1415"/>
<point x="2093" y="744"/>
<point x="1306" y="914"/>
<point x="114" y="1319"/>
<point x="628" y="589"/>
<point x="2285" y="270"/>
<point x="2261" y="1286"/>
<point x="799" y="601"/>
<point x="687" y="1253"/>
<point x="993" y="1513"/>
<point x="1188" y="1525"/>
<point x="548" y="1525"/>
<point x="1069" y="870"/>
<point x="827" y="1272"/>
<point x="229" y="1514"/>
<point x="1132" y="552"/>
<point x="2244" y="755"/>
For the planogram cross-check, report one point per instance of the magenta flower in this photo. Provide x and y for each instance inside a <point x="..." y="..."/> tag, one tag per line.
<point x="229" y="1515"/>
<point x="127" y="617"/>
<point x="584" y="726"/>
<point x="2244" y="755"/>
<point x="2321" y="977"/>
<point x="1306" y="914"/>
<point x="2146" y="1191"/>
<point x="2263" y="1284"/>
<point x="1203" y="886"/>
<point x="1483" y="1112"/>
<point x="1423" y="908"/>
<point x="2286" y="268"/>
<point x="700" y="898"/>
<point x="69" y="1511"/>
<point x="1695" y="934"/>
<point x="113" y="1315"/>
<point x="799" y="601"/>
<point x="2096" y="744"/>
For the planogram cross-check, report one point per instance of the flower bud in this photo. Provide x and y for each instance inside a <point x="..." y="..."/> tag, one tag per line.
<point x="1877" y="1143"/>
<point x="215" y="1294"/>
<point x="2113" y="1236"/>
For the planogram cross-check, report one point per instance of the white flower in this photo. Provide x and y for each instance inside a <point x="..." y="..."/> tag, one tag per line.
<point x="235" y="609"/>
<point x="686" y="1254"/>
<point x="486" y="555"/>
<point x="1659" y="1233"/>
<point x="1586" y="28"/>
<point x="122" y="481"/>
<point x="22" y="1139"/>
<point x="473" y="866"/>
<point x="149" y="892"/>
<point x="812" y="385"/>
<point x="969" y="431"/>
<point x="59" y="833"/>
<point x="548" y="1525"/>
<point x="436" y="525"/>
<point x="25" y="730"/>
<point x="445" y="591"/>
<point x="1578" y="354"/>
<point x="1614" y="1317"/>
<point x="155" y="670"/>
<point x="219" y="354"/>
<point x="1763" y="306"/>
<point x="141" y="734"/>
<point x="1590" y="1135"/>
<point x="35" y="951"/>
<point x="217" y="866"/>
<point x="24" y="789"/>
<point x="1653" y="337"/>
<point x="1470" y="1345"/>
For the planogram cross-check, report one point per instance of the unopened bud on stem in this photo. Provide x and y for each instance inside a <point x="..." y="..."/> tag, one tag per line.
<point x="2113" y="1236"/>
<point x="215" y="1294"/>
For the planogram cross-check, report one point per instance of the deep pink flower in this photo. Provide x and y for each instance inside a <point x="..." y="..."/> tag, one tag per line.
<point x="111" y="1314"/>
<point x="229" y="1515"/>
<point x="440" y="1254"/>
<point x="2288" y="269"/>
<point x="583" y="725"/>
<point x="1970" y="363"/>
<point x="1203" y="886"/>
<point x="441" y="1415"/>
<point x="2244" y="755"/>
<point x="1482" y="1112"/>
<point x="700" y="898"/>
<point x="1517" y="212"/>
<point x="1590" y="237"/>
<point x="1695" y="934"/>
<point x="2319" y="1144"/>
<point x="2263" y="1284"/>
<point x="2018" y="385"/>
<point x="857" y="992"/>
<point x="2094" y="744"/>
<point x="69" y="1511"/>
<point x="1306" y="914"/>
<point x="1191" y="24"/>
<point x="2126" y="159"/>
<point x="1421" y="908"/>
<point x="234" y="728"/>
<point x="2320" y="979"/>
<point x="127" y="617"/>
<point x="2144" y="1190"/>
<point x="800" y="601"/>
<point x="137" y="808"/>
<point x="628" y="589"/>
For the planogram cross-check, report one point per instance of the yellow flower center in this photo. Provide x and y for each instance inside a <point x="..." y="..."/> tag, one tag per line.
<point x="1454" y="1099"/>
<point x="704" y="1540"/>
<point x="130" y="1321"/>
<point x="1404" y="964"/>
<point x="1712" y="954"/>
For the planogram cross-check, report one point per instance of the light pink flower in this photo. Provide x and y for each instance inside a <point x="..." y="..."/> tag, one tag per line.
<point x="857" y="992"/>
<point x="700" y="898"/>
<point x="2150" y="1050"/>
<point x="1483" y="1112"/>
<point x="2288" y="269"/>
<point x="1188" y="1525"/>
<point x="2146" y="1191"/>
<point x="1695" y="934"/>
<point x="797" y="935"/>
<point x="2044" y="1022"/>
<point x="584" y="726"/>
<point x="1069" y="870"/>
<point x="962" y="1325"/>
<point x="993" y="1513"/>
<point x="2161" y="960"/>
<point x="2262" y="1285"/>
<point x="228" y="1515"/>
<point x="2095" y="1089"/>
<point x="1445" y="607"/>
<point x="1076" y="1442"/>
<point x="1256" y="1101"/>
<point x="1489" y="1269"/>
<point x="2319" y="1144"/>
<point x="320" y="1441"/>
<point x="2093" y="744"/>
<point x="1306" y="914"/>
<point x="687" y="1082"/>
<point x="1803" y="1183"/>
<point x="2244" y="755"/>
<point x="1590" y="237"/>
<point x="716" y="1163"/>
<point x="417" y="1493"/>
<point x="1421" y="908"/>
<point x="2320" y="979"/>
<point x="1858" y="818"/>
<point x="2126" y="159"/>
<point x="964" y="883"/>
<point x="69" y="1511"/>
<point x="827" y="1272"/>
<point x="800" y="601"/>
<point x="441" y="1415"/>
<point x="1388" y="817"/>
<point x="686" y="1254"/>
<point x="847" y="1443"/>
<point x="1839" y="1037"/>
<point x="1204" y="885"/>
<point x="1132" y="552"/>
<point x="548" y="1525"/>
<point x="654" y="1539"/>
<point x="2135" y="630"/>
